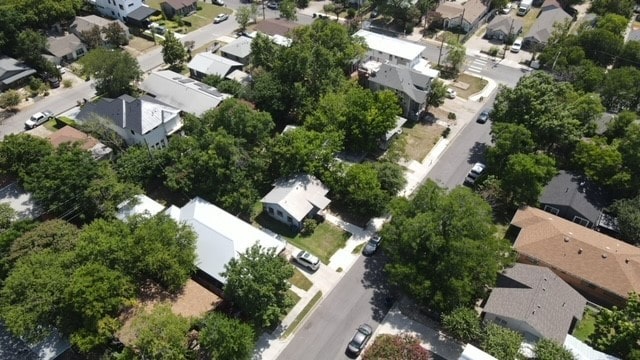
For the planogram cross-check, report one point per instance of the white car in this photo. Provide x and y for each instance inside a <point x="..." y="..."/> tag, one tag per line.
<point x="474" y="173"/>
<point x="517" y="45"/>
<point x="451" y="94"/>
<point x="507" y="9"/>
<point x="220" y="18"/>
<point x="38" y="119"/>
<point x="218" y="2"/>
<point x="307" y="260"/>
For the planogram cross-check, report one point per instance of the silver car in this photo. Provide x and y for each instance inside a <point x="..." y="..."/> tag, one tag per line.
<point x="474" y="173"/>
<point x="307" y="260"/>
<point x="38" y="119"/>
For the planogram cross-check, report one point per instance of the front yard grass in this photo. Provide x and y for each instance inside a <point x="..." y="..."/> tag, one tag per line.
<point x="586" y="326"/>
<point x="197" y="20"/>
<point x="529" y="19"/>
<point x="140" y="44"/>
<point x="300" y="281"/>
<point x="476" y="84"/>
<point x="419" y="139"/>
<point x="323" y="243"/>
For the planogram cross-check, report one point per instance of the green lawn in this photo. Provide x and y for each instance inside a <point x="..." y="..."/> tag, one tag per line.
<point x="197" y="20"/>
<point x="529" y="19"/>
<point x="323" y="243"/>
<point x="300" y="281"/>
<point x="586" y="326"/>
<point x="476" y="84"/>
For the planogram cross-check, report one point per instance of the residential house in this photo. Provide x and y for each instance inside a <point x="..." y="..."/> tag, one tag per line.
<point x="66" y="48"/>
<point x="13" y="348"/>
<point x="140" y="17"/>
<point x="473" y="353"/>
<point x="385" y="49"/>
<point x="542" y="29"/>
<point x="240" y="76"/>
<point x="501" y="26"/>
<point x="138" y="205"/>
<point x="274" y="27"/>
<point x="204" y="64"/>
<point x="465" y="16"/>
<point x="145" y="121"/>
<point x="173" y="8"/>
<point x="116" y="9"/>
<point x="13" y="73"/>
<point x="181" y="92"/>
<point x="601" y="268"/>
<point x="582" y="351"/>
<point x="68" y="134"/>
<point x="238" y="50"/>
<point x="294" y="199"/>
<point x="83" y="24"/>
<point x="573" y="197"/>
<point x="386" y="140"/>
<point x="535" y="302"/>
<point x="221" y="237"/>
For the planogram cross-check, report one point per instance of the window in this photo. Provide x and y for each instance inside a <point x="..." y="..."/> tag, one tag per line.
<point x="551" y="209"/>
<point x="79" y="52"/>
<point x="132" y="133"/>
<point x="130" y="5"/>
<point x="270" y="209"/>
<point x="121" y="7"/>
<point x="279" y="213"/>
<point x="289" y="219"/>
<point x="581" y="221"/>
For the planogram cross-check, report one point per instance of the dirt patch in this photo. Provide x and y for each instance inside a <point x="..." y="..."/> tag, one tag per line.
<point x="138" y="45"/>
<point x="421" y="137"/>
<point x="473" y="85"/>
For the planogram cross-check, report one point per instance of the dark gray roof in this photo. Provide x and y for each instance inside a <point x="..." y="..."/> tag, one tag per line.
<point x="402" y="79"/>
<point x="575" y="191"/>
<point x="550" y="14"/>
<point x="142" y="13"/>
<point x="504" y="23"/>
<point x="140" y="115"/>
<point x="12" y="70"/>
<point x="538" y="297"/>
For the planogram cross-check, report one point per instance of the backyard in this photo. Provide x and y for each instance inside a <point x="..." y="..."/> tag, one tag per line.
<point x="586" y="326"/>
<point x="205" y="14"/>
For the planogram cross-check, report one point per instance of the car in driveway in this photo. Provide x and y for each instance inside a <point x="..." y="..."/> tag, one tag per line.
<point x="451" y="94"/>
<point x="273" y="5"/>
<point x="476" y="171"/>
<point x="220" y="18"/>
<point x="307" y="260"/>
<point x="483" y="117"/>
<point x="37" y="119"/>
<point x="359" y="340"/>
<point x="517" y="45"/>
<point x="372" y="245"/>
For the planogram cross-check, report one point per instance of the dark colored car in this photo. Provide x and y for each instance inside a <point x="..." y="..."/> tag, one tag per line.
<point x="359" y="340"/>
<point x="483" y="117"/>
<point x="372" y="245"/>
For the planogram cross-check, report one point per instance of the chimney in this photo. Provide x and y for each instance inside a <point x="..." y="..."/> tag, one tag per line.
<point x="580" y="251"/>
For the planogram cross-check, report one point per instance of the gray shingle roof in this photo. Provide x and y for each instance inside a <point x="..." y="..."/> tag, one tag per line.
<point x="86" y="23"/>
<point x="550" y="14"/>
<point x="538" y="297"/>
<point x="63" y="45"/>
<point x="12" y="70"/>
<point x="212" y="64"/>
<point x="402" y="79"/>
<point x="503" y="23"/>
<point x="298" y="195"/>
<point x="240" y="47"/>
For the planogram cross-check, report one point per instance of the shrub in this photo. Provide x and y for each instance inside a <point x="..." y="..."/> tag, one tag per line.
<point x="493" y="51"/>
<point x="67" y="83"/>
<point x="302" y="4"/>
<point x="308" y="227"/>
<point x="463" y="324"/>
<point x="199" y="8"/>
<point x="446" y="132"/>
<point x="351" y="13"/>
<point x="451" y="116"/>
<point x="35" y="84"/>
<point x="396" y="347"/>
<point x="10" y="99"/>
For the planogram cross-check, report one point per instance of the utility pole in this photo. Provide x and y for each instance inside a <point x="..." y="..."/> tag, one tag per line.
<point x="555" y="60"/>
<point x="264" y="16"/>
<point x="461" y="22"/>
<point x="440" y="54"/>
<point x="504" y="53"/>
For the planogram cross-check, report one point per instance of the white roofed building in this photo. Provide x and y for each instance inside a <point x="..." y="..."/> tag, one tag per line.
<point x="204" y="64"/>
<point x="138" y="205"/>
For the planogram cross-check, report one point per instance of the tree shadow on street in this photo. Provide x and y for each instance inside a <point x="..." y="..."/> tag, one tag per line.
<point x="477" y="153"/>
<point x="375" y="278"/>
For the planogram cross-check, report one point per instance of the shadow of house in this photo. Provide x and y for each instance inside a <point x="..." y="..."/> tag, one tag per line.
<point x="173" y="8"/>
<point x="13" y="73"/>
<point x="534" y="301"/>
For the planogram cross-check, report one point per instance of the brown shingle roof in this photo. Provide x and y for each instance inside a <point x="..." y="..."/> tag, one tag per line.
<point x="578" y="251"/>
<point x="276" y="27"/>
<point x="472" y="10"/>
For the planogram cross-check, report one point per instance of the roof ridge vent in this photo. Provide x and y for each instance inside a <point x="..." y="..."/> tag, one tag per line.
<point x="567" y="239"/>
<point x="604" y="255"/>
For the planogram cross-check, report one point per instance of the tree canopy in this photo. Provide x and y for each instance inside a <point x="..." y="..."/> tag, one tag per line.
<point x="617" y="330"/>
<point x="173" y="52"/>
<point x="550" y="350"/>
<point x="225" y="338"/>
<point x="628" y="215"/>
<point x="161" y="334"/>
<point x="113" y="71"/>
<point x="502" y="343"/>
<point x="442" y="247"/>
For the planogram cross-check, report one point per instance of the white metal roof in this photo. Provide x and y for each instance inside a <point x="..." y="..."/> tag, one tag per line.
<point x="388" y="45"/>
<point x="473" y="353"/>
<point x="298" y="195"/>
<point x="139" y="205"/>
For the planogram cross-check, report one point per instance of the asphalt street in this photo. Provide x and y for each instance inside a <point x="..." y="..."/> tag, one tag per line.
<point x="358" y="298"/>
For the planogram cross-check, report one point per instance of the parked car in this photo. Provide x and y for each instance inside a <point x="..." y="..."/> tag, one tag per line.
<point x="372" y="245"/>
<point x="483" y="117"/>
<point x="37" y="119"/>
<point x="273" y="5"/>
<point x="307" y="260"/>
<point x="451" y="94"/>
<point x="507" y="9"/>
<point x="517" y="45"/>
<point x="220" y="18"/>
<point x="218" y="2"/>
<point x="54" y="82"/>
<point x="359" y="340"/>
<point x="474" y="173"/>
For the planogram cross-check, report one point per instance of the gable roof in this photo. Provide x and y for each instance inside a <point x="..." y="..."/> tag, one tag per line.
<point x="276" y="27"/>
<point x="140" y="115"/>
<point x="179" y="4"/>
<point x="402" y="79"/>
<point x="68" y="134"/>
<point x="575" y="191"/>
<point x="138" y="205"/>
<point x="86" y="23"/>
<point x="538" y="297"/>
<point x="142" y="13"/>
<point x="298" y="195"/>
<point x="388" y="45"/>
<point x="578" y="251"/>
<point x="63" y="45"/>
<point x="474" y="9"/>
<point x="471" y="9"/>
<point x="12" y="70"/>
<point x="221" y="236"/>
<point x="550" y="14"/>
<point x="505" y="23"/>
<point x="240" y="47"/>
<point x="184" y="93"/>
<point x="212" y="64"/>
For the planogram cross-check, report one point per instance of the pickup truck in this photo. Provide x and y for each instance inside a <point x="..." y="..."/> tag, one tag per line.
<point x="38" y="118"/>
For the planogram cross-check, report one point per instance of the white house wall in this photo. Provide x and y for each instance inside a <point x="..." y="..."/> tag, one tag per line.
<point x="117" y="9"/>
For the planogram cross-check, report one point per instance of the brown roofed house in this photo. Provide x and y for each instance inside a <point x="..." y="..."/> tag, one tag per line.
<point x="466" y="16"/>
<point x="276" y="27"/>
<point x="172" y="8"/>
<point x="601" y="268"/>
<point x="87" y="142"/>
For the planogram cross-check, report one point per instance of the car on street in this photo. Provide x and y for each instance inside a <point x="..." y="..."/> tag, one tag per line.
<point x="372" y="245"/>
<point x="38" y="118"/>
<point x="220" y="18"/>
<point x="307" y="260"/>
<point x="359" y="340"/>
<point x="451" y="94"/>
<point x="483" y="117"/>
<point x="273" y="5"/>
<point x="474" y="173"/>
<point x="517" y="45"/>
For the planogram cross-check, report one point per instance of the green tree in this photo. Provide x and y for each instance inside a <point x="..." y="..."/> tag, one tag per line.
<point x="550" y="350"/>
<point x="106" y="191"/>
<point x="55" y="235"/>
<point x="92" y="37"/>
<point x="391" y="177"/>
<point x="115" y="35"/>
<point x="257" y="283"/>
<point x="442" y="247"/>
<point x="628" y="214"/>
<point x="602" y="163"/>
<point x="243" y="17"/>
<point x="613" y="23"/>
<point x="19" y="152"/>
<point x="437" y="94"/>
<point x="263" y="52"/>
<point x="359" y="189"/>
<point x="31" y="46"/>
<point x="463" y="324"/>
<point x="114" y="71"/>
<point x="7" y="216"/>
<point x="525" y="175"/>
<point x="173" y="52"/>
<point x="630" y="54"/>
<point x="617" y="127"/>
<point x="396" y="347"/>
<point x="587" y="76"/>
<point x="601" y="46"/>
<point x="161" y="334"/>
<point x="226" y="338"/>
<point x="456" y="53"/>
<point x="140" y="165"/>
<point x="617" y="330"/>
<point x="10" y="99"/>
<point x="618" y="89"/>
<point x="604" y="7"/>
<point x="288" y="10"/>
<point x="508" y="139"/>
<point x="7" y="237"/>
<point x="502" y="343"/>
